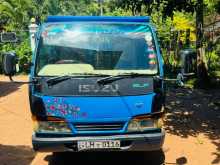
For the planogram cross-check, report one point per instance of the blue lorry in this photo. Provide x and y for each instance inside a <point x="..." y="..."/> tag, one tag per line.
<point x="96" y="83"/>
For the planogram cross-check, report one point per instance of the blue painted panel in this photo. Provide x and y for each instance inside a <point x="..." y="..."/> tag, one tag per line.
<point x="98" y="109"/>
<point x="139" y="104"/>
<point x="98" y="18"/>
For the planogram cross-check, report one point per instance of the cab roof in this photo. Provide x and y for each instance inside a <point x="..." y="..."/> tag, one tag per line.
<point x="142" y="19"/>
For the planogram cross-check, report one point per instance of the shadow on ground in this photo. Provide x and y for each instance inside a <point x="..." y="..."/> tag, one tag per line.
<point x="14" y="155"/>
<point x="8" y="87"/>
<point x="105" y="158"/>
<point x="193" y="112"/>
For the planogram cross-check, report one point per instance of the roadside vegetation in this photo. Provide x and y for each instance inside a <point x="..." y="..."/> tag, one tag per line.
<point x="174" y="20"/>
<point x="192" y="115"/>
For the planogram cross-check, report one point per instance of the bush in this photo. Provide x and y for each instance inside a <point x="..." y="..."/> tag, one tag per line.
<point x="24" y="53"/>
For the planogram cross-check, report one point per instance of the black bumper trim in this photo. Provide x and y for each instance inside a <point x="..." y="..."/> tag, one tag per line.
<point x="139" y="142"/>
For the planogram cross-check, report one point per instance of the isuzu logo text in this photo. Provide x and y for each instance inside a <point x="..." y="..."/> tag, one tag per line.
<point x="86" y="88"/>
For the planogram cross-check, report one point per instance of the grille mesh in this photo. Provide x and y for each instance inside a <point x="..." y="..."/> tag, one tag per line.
<point x="99" y="127"/>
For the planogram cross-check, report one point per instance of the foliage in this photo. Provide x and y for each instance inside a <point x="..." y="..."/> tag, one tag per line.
<point x="16" y="12"/>
<point x="167" y="15"/>
<point x="24" y="53"/>
<point x="213" y="60"/>
<point x="137" y="6"/>
<point x="183" y="21"/>
<point x="163" y="25"/>
<point x="213" y="57"/>
<point x="217" y="7"/>
<point x="134" y="6"/>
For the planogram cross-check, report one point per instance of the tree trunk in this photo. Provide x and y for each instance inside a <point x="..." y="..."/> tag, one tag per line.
<point x="202" y="72"/>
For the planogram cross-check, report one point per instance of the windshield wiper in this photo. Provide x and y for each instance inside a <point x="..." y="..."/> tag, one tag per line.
<point x="58" y="79"/>
<point x="113" y="78"/>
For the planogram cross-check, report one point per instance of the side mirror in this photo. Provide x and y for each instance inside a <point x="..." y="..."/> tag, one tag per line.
<point x="188" y="62"/>
<point x="179" y="79"/>
<point x="10" y="67"/>
<point x="9" y="63"/>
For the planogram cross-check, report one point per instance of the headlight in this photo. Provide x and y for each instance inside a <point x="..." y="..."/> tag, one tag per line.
<point x="140" y="125"/>
<point x="51" y="127"/>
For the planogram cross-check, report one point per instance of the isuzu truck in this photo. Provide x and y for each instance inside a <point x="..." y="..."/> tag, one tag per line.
<point x="96" y="83"/>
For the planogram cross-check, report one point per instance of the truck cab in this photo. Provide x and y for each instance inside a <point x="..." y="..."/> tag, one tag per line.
<point x="96" y="83"/>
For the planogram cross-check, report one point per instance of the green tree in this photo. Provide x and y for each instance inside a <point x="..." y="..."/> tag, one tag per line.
<point x="137" y="6"/>
<point x="16" y="12"/>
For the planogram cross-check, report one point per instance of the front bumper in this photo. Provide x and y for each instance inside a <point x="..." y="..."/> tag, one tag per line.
<point x="129" y="142"/>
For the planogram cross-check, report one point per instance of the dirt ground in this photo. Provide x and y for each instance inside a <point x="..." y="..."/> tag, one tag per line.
<point x="192" y="125"/>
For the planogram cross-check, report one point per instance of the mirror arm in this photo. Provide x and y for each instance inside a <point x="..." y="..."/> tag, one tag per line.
<point x="166" y="79"/>
<point x="179" y="80"/>
<point x="188" y="74"/>
<point x="170" y="79"/>
<point x="22" y="82"/>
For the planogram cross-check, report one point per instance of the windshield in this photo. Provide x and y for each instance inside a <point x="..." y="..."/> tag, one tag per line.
<point x="95" y="48"/>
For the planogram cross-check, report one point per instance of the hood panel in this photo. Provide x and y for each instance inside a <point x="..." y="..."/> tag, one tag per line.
<point x="86" y="109"/>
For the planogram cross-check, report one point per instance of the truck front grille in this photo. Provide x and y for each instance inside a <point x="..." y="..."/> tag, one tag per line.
<point x="99" y="127"/>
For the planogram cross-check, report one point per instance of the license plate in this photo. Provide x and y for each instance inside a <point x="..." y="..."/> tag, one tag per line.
<point x="85" y="145"/>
